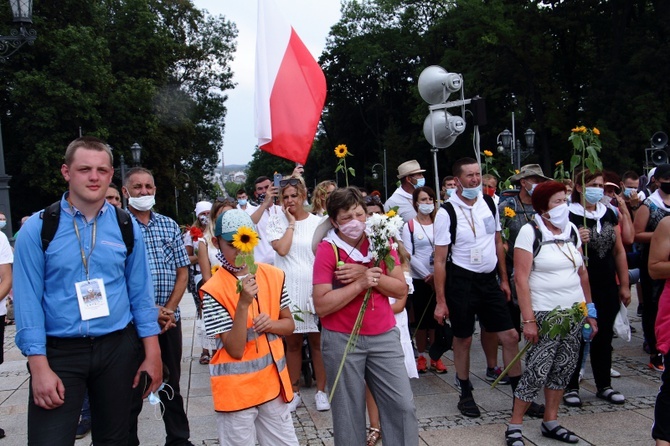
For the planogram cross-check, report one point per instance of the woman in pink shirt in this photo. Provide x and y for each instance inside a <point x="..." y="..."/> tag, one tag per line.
<point x="343" y="272"/>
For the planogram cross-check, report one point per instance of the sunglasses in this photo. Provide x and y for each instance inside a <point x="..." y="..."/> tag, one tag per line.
<point x="289" y="182"/>
<point x="373" y="199"/>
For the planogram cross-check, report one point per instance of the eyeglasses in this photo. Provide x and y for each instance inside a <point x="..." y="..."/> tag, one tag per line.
<point x="289" y="182"/>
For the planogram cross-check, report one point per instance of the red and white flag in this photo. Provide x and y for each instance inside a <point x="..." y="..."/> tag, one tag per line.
<point x="290" y="87"/>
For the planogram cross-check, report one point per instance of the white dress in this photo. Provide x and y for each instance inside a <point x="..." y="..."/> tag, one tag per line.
<point x="297" y="264"/>
<point x="403" y="325"/>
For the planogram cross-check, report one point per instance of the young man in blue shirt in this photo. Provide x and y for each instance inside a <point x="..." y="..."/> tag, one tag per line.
<point x="85" y="315"/>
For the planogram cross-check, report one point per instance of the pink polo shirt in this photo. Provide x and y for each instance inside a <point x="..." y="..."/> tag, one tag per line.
<point x="377" y="321"/>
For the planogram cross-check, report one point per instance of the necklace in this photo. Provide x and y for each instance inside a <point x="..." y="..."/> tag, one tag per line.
<point x="567" y="255"/>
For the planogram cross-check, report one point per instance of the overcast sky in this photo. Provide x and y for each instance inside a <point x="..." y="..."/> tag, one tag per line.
<point x="311" y="20"/>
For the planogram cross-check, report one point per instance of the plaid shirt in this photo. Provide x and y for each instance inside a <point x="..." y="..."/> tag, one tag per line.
<point x="166" y="252"/>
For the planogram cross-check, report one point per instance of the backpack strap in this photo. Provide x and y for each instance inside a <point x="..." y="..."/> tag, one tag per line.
<point x="337" y="253"/>
<point x="410" y="225"/>
<point x="492" y="205"/>
<point x="538" y="242"/>
<point x="51" y="218"/>
<point x="452" y="220"/>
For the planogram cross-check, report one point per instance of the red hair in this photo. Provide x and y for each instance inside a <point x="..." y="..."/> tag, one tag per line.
<point x="543" y="192"/>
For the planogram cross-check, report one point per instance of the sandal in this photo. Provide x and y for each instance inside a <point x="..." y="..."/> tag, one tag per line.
<point x="204" y="358"/>
<point x="374" y="436"/>
<point x="535" y="410"/>
<point x="513" y="437"/>
<point x="572" y="399"/>
<point x="468" y="407"/>
<point x="559" y="433"/>
<point x="611" y="395"/>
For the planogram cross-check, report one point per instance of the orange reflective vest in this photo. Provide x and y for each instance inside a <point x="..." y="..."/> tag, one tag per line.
<point x="261" y="375"/>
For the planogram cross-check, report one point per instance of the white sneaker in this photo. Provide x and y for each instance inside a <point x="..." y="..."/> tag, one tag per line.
<point x="321" y="400"/>
<point x="293" y="405"/>
<point x="614" y="373"/>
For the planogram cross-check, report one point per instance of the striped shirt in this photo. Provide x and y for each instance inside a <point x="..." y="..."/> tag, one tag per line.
<point x="217" y="319"/>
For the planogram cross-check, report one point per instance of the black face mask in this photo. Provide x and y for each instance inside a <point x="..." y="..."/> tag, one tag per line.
<point x="665" y="187"/>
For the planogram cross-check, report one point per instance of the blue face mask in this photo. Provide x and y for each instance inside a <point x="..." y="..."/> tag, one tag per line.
<point x="242" y="202"/>
<point x="471" y="193"/>
<point x="627" y="191"/>
<point x="593" y="194"/>
<point x="450" y="192"/>
<point x="420" y="182"/>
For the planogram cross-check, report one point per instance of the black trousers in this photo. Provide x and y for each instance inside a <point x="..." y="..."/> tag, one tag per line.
<point x="106" y="366"/>
<point x="176" y="424"/>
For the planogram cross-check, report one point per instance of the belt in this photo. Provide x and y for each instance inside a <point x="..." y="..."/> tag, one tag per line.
<point x="53" y="341"/>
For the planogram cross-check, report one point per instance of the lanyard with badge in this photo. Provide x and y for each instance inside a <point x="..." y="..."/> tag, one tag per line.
<point x="91" y="293"/>
<point x="476" y="252"/>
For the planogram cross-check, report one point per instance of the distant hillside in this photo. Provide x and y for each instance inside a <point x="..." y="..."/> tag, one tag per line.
<point x="234" y="168"/>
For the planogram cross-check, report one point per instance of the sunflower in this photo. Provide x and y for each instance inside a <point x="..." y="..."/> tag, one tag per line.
<point x="583" y="309"/>
<point x="488" y="153"/>
<point x="559" y="163"/>
<point x="391" y="213"/>
<point x="341" y="151"/>
<point x="215" y="268"/>
<point x="509" y="212"/>
<point x="245" y="239"/>
<point x="580" y="129"/>
<point x="596" y="131"/>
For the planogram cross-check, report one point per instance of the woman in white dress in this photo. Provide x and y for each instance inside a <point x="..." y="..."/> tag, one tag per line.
<point x="290" y="234"/>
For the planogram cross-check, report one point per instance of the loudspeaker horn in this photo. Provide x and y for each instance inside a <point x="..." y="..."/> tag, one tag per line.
<point x="436" y="83"/>
<point x="447" y="127"/>
<point x="659" y="140"/>
<point x="659" y="157"/>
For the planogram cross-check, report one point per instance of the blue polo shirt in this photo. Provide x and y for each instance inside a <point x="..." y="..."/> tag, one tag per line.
<point x="44" y="282"/>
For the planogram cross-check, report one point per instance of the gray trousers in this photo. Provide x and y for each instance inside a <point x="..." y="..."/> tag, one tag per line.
<point x="379" y="362"/>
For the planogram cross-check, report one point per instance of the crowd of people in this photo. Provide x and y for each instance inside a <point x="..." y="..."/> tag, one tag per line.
<point x="551" y="263"/>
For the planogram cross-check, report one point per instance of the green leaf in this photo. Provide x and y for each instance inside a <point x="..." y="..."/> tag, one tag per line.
<point x="239" y="260"/>
<point x="339" y="168"/>
<point x="390" y="263"/>
<point x="495" y="171"/>
<point x="574" y="162"/>
<point x="352" y="172"/>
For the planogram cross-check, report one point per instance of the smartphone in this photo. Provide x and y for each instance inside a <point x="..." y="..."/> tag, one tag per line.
<point x="145" y="381"/>
<point x="278" y="178"/>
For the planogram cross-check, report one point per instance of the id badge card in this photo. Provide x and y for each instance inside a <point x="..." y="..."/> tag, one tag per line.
<point x="92" y="299"/>
<point x="476" y="256"/>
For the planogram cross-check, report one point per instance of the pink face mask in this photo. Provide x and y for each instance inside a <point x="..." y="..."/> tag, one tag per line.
<point x="353" y="229"/>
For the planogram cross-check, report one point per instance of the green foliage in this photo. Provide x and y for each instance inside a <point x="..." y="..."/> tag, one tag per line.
<point x="552" y="63"/>
<point x="231" y="188"/>
<point x="146" y="71"/>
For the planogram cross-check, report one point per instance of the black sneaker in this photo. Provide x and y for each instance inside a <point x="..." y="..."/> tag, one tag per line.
<point x="639" y="310"/>
<point x="656" y="363"/>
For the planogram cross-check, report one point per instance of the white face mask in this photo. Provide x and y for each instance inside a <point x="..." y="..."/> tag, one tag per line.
<point x="144" y="203"/>
<point x="426" y="209"/>
<point x="353" y="229"/>
<point x="3" y="223"/>
<point x="204" y="219"/>
<point x="558" y="216"/>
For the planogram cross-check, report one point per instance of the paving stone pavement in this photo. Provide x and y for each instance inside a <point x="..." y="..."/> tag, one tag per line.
<point x="440" y="423"/>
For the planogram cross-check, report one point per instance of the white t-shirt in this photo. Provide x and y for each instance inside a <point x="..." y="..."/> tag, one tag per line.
<point x="263" y="253"/>
<point x="403" y="200"/>
<point x="554" y="278"/>
<point x="476" y="227"/>
<point x="6" y="256"/>
<point x="421" y="250"/>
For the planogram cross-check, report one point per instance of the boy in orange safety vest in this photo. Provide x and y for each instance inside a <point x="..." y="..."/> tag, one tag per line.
<point x="248" y="374"/>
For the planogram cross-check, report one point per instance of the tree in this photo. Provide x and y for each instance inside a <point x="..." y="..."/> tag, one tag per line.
<point x="145" y="71"/>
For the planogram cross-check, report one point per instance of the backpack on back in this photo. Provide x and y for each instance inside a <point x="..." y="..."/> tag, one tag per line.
<point x="51" y="217"/>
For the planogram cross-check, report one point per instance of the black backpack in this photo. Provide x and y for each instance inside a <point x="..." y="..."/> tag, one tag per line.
<point x="51" y="217"/>
<point x="538" y="242"/>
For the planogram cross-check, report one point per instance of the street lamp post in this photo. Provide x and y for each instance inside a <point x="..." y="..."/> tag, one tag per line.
<point x="22" y="12"/>
<point x="136" y="151"/>
<point x="509" y="144"/>
<point x="375" y="175"/>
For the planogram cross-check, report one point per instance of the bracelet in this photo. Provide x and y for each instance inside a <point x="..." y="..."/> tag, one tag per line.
<point x="591" y="309"/>
<point x="530" y="321"/>
<point x="290" y="227"/>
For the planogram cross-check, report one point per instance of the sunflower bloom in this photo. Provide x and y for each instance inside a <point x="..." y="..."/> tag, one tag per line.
<point x="488" y="153"/>
<point x="341" y="151"/>
<point x="509" y="212"/>
<point x="215" y="268"/>
<point x="516" y="171"/>
<point x="580" y="129"/>
<point x="583" y="309"/>
<point x="391" y="213"/>
<point x="559" y="163"/>
<point x="245" y="239"/>
<point x="596" y="131"/>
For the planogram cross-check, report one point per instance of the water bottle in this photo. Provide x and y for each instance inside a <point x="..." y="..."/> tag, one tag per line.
<point x="586" y="332"/>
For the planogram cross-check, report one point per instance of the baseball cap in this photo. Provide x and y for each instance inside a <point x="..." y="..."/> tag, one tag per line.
<point x="230" y="221"/>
